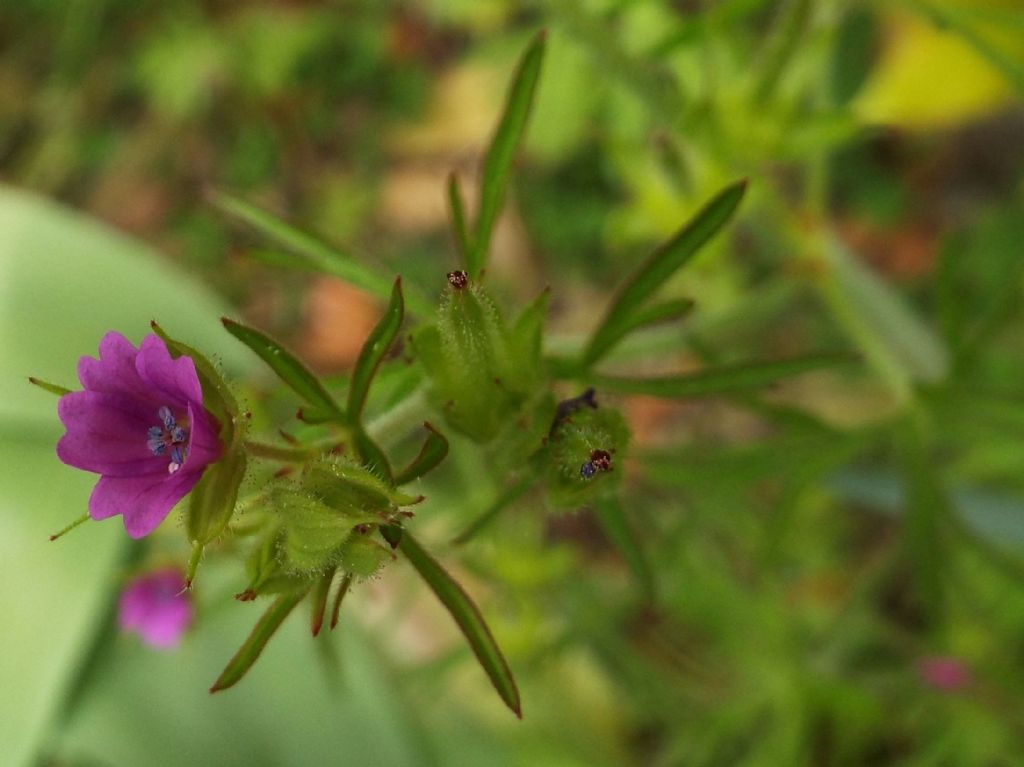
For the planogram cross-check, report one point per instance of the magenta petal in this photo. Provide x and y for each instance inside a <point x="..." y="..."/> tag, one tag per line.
<point x="157" y="607"/>
<point x="204" y="445"/>
<point x="175" y="378"/>
<point x="106" y="433"/>
<point x="143" y="501"/>
<point x="115" y="370"/>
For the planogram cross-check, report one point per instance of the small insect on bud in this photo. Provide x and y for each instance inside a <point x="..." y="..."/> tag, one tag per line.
<point x="458" y="279"/>
<point x="600" y="461"/>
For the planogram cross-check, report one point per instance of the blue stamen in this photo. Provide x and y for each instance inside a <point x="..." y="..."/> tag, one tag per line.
<point x="170" y="435"/>
<point x="588" y="470"/>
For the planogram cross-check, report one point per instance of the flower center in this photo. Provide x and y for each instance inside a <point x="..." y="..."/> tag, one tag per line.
<point x="169" y="439"/>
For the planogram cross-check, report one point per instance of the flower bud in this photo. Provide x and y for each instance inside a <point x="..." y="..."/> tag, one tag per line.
<point x="584" y="453"/>
<point x="481" y="369"/>
<point x="328" y="516"/>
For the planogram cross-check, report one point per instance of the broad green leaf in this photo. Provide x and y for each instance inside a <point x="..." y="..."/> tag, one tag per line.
<point x="623" y="537"/>
<point x="726" y="378"/>
<point x="643" y="318"/>
<point x="314" y="251"/>
<point x="468" y="618"/>
<point x="213" y="500"/>
<point x="458" y="211"/>
<point x="65" y="280"/>
<point x="434" y="450"/>
<point x="661" y="265"/>
<point x="296" y="375"/>
<point x="499" y="157"/>
<point x="250" y="650"/>
<point x="373" y="352"/>
<point x="60" y="391"/>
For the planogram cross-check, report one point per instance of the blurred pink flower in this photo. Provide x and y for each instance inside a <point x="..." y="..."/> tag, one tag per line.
<point x="945" y="673"/>
<point x="157" y="607"/>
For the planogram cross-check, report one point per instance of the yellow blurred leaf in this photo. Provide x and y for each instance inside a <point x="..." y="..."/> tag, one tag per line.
<point x="930" y="77"/>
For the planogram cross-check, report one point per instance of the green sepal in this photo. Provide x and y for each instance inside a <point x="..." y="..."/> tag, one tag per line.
<point x="53" y="388"/>
<point x="362" y="556"/>
<point x="213" y="500"/>
<point x="434" y="450"/>
<point x="326" y="514"/>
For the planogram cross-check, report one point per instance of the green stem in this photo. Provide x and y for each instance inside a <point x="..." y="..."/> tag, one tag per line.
<point x="278" y="452"/>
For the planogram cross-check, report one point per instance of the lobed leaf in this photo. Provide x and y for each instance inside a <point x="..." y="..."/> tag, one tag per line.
<point x="499" y="157"/>
<point x="468" y="618"/>
<point x="725" y="378"/>
<point x="434" y="450"/>
<point x="288" y="368"/>
<point x="264" y="629"/>
<point x="661" y="265"/>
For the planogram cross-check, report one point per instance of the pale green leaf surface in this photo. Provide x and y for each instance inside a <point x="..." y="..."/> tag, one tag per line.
<point x="65" y="280"/>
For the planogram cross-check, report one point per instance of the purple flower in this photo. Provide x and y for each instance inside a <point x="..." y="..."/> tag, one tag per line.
<point x="141" y="425"/>
<point x="157" y="607"/>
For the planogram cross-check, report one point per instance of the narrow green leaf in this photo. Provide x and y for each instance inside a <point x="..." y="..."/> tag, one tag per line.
<point x="264" y="629"/>
<point x="623" y="537"/>
<point x="458" y="212"/>
<point x="661" y="265"/>
<point x="296" y="375"/>
<point x="318" y="601"/>
<point x="499" y="157"/>
<point x="213" y="500"/>
<point x="373" y="351"/>
<point x="346" y="581"/>
<point x="60" y="391"/>
<point x="643" y="318"/>
<point x="468" y="618"/>
<point x="434" y="450"/>
<point x="312" y="250"/>
<point x="726" y="378"/>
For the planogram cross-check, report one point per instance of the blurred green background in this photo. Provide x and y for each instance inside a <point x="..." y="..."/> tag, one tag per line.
<point x="812" y="547"/>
